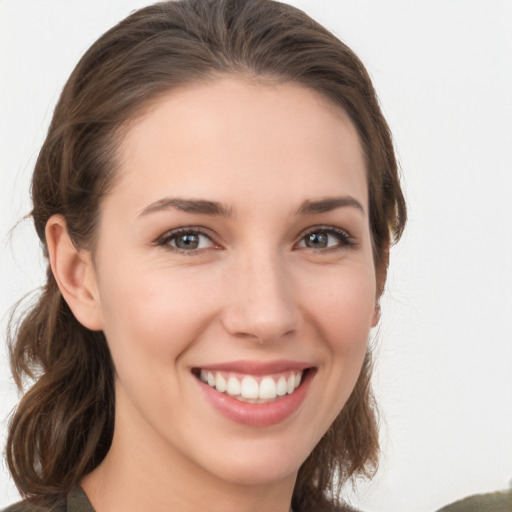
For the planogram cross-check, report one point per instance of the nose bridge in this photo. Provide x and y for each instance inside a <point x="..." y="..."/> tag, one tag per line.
<point x="261" y="302"/>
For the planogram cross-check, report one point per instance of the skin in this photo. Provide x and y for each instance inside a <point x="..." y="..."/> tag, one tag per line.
<point x="254" y="290"/>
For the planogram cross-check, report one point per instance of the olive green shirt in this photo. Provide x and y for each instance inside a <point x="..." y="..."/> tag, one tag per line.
<point x="500" y="501"/>
<point x="76" y="501"/>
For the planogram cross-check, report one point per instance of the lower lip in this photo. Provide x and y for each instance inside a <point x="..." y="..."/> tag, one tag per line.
<point x="258" y="415"/>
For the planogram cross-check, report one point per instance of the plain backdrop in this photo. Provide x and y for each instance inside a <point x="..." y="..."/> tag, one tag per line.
<point x="443" y="72"/>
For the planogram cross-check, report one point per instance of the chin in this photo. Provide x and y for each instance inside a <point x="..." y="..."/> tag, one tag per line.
<point x="258" y="474"/>
<point x="249" y="463"/>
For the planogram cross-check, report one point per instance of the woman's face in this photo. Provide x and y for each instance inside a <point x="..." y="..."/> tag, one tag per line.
<point x="235" y="249"/>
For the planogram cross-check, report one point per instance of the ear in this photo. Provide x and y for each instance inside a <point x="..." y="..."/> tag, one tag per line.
<point x="74" y="272"/>
<point x="381" y="271"/>
<point x="381" y="281"/>
<point x="376" y="314"/>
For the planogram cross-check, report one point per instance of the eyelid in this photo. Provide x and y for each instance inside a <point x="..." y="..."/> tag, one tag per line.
<point x="163" y="240"/>
<point x="346" y="239"/>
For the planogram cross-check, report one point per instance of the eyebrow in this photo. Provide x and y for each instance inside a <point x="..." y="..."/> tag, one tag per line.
<point x="201" y="206"/>
<point x="206" y="207"/>
<point x="309" y="207"/>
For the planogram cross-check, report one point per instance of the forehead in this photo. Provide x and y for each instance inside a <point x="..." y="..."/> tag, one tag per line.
<point x="232" y="132"/>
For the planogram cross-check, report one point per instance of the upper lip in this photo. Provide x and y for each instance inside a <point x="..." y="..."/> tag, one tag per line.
<point x="257" y="367"/>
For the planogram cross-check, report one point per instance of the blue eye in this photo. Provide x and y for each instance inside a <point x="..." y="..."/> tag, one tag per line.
<point x="186" y="240"/>
<point x="325" y="238"/>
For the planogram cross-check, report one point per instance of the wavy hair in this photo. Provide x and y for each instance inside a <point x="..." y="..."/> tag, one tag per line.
<point x="63" y="425"/>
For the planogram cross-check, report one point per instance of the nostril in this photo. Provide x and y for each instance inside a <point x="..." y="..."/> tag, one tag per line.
<point x="262" y="313"/>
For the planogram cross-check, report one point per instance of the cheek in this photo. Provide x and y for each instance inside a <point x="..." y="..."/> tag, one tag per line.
<point x="341" y="307"/>
<point x="150" y="316"/>
<point x="344" y="307"/>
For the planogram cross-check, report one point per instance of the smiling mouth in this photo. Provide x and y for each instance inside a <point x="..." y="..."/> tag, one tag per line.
<point x="254" y="389"/>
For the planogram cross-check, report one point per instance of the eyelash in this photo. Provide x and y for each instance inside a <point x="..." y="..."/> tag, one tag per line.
<point x="345" y="240"/>
<point x="165" y="240"/>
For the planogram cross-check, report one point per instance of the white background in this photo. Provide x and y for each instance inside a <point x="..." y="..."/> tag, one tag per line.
<point x="443" y="71"/>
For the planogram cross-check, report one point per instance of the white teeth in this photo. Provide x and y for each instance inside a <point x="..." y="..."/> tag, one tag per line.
<point x="267" y="388"/>
<point x="220" y="383"/>
<point x="290" y="384"/>
<point x="233" y="387"/>
<point x="249" y="387"/>
<point x="281" y="386"/>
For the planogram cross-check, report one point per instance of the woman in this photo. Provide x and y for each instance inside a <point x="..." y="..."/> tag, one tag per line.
<point x="216" y="196"/>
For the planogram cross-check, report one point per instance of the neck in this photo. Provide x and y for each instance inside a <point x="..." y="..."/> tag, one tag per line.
<point x="118" y="484"/>
<point x="144" y="473"/>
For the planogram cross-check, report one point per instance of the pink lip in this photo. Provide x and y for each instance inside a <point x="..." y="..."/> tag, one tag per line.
<point x="257" y="415"/>
<point x="257" y="368"/>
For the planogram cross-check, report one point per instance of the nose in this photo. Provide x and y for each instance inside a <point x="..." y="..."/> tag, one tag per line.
<point x="260" y="301"/>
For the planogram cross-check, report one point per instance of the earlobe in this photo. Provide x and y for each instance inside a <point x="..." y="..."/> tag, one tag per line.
<point x="74" y="272"/>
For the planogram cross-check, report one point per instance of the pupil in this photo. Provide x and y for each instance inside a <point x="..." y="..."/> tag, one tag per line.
<point x="187" y="241"/>
<point x="316" y="240"/>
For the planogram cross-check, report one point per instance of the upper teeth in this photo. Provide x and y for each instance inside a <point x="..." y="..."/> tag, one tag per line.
<point x="250" y="387"/>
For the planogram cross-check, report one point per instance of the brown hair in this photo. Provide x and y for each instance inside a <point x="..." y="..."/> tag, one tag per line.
<point x="63" y="425"/>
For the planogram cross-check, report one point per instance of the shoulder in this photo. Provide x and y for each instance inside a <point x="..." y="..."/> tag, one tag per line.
<point x="328" y="506"/>
<point x="74" y="501"/>
<point x="24" y="506"/>
<point x="500" y="501"/>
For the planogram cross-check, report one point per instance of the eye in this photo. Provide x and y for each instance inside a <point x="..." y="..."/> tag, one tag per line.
<point x="325" y="238"/>
<point x="186" y="240"/>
